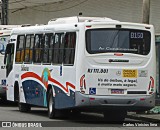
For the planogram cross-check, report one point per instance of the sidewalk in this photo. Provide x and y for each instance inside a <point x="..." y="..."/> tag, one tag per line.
<point x="148" y="117"/>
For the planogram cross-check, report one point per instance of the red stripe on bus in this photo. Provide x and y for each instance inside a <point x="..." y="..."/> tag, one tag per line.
<point x="59" y="84"/>
<point x="31" y="74"/>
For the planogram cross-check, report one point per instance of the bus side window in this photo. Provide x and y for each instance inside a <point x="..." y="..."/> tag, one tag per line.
<point x="29" y="48"/>
<point x="51" y="42"/>
<point x="38" y="48"/>
<point x="20" y="48"/>
<point x="61" y="48"/>
<point x="48" y="44"/>
<point x="69" y="51"/>
<point x="56" y="47"/>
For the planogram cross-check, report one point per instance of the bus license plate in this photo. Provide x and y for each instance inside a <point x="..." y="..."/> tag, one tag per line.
<point x="117" y="91"/>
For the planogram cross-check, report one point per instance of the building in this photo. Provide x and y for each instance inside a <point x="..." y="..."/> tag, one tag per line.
<point x="40" y="11"/>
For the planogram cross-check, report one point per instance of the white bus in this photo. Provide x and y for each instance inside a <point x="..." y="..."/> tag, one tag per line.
<point x="5" y="31"/>
<point x="83" y="64"/>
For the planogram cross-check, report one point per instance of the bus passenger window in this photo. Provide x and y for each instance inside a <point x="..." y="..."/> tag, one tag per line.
<point x="31" y="48"/>
<point x="61" y="48"/>
<point x="56" y="47"/>
<point x="28" y="48"/>
<point x="20" y="48"/>
<point x="38" y="48"/>
<point x="69" y="51"/>
<point x="47" y="52"/>
<point x="51" y="41"/>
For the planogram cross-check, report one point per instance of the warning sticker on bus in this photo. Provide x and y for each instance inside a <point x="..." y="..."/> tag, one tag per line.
<point x="130" y="73"/>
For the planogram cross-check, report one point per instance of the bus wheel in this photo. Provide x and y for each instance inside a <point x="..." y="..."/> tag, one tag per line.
<point x="24" y="107"/>
<point x="3" y="99"/>
<point x="75" y="112"/>
<point x="117" y="116"/>
<point x="51" y="108"/>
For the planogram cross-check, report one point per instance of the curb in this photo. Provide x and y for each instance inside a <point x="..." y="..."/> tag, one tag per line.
<point x="147" y="119"/>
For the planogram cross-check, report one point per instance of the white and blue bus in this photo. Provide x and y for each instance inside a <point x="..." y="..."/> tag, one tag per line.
<point x="83" y="64"/>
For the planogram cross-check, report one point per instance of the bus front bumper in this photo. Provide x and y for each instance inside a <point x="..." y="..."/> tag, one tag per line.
<point x="127" y="102"/>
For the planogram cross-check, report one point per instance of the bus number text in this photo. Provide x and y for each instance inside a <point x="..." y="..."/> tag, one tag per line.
<point x="97" y="71"/>
<point x="136" y="35"/>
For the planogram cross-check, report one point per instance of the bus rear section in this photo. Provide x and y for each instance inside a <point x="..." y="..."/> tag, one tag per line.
<point x="119" y="70"/>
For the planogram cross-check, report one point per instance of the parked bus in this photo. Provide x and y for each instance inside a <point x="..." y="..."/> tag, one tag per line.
<point x="5" y="31"/>
<point x="83" y="64"/>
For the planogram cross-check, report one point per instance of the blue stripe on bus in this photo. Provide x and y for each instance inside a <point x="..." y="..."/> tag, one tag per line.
<point x="35" y="94"/>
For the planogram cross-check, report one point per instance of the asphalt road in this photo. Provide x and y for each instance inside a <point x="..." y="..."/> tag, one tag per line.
<point x="9" y="112"/>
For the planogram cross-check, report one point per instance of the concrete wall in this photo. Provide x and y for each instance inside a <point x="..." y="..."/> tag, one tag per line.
<point x="123" y="10"/>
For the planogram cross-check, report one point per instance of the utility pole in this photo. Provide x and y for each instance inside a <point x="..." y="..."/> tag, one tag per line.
<point x="4" y="20"/>
<point x="146" y="11"/>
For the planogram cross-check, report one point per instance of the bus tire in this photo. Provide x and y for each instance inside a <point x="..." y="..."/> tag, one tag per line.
<point x="23" y="107"/>
<point x="51" y="105"/>
<point x="3" y="98"/>
<point x="114" y="116"/>
<point x="75" y="112"/>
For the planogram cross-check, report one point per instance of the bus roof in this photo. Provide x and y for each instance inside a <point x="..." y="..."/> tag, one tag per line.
<point x="76" y="19"/>
<point x="68" y="23"/>
<point x="6" y="29"/>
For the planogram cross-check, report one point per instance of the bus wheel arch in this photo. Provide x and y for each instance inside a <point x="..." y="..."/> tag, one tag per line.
<point x="23" y="107"/>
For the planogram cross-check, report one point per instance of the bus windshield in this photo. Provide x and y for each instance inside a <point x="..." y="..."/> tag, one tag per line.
<point x="118" y="40"/>
<point x="3" y="43"/>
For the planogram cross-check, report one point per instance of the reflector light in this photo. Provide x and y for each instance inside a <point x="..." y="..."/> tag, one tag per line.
<point x="118" y="54"/>
<point x="142" y="99"/>
<point x="92" y="98"/>
<point x="151" y="85"/>
<point x="89" y="26"/>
